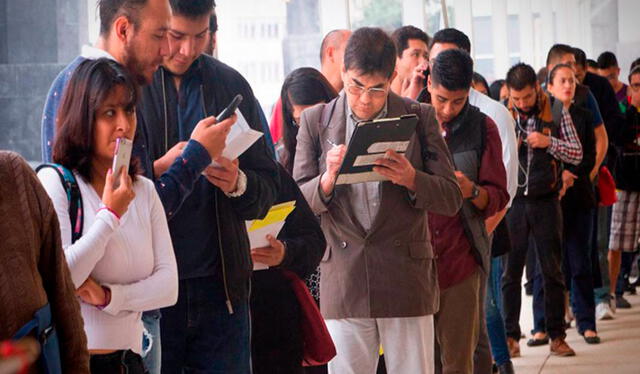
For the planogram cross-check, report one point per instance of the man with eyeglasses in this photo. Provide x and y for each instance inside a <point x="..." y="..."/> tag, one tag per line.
<point x="379" y="282"/>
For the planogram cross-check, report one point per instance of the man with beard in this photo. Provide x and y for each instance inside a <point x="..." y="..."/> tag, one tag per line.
<point x="134" y="33"/>
<point x="208" y="330"/>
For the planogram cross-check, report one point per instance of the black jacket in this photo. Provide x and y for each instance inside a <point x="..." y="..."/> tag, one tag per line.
<point x="627" y="142"/>
<point x="274" y="307"/>
<point x="581" y="195"/>
<point x="201" y="217"/>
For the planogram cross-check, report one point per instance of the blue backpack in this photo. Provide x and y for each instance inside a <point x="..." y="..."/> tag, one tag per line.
<point x="42" y="324"/>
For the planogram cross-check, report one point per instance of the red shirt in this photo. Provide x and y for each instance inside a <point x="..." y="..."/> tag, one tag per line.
<point x="455" y="259"/>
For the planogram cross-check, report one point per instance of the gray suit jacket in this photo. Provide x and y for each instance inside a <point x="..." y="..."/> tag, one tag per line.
<point x="389" y="271"/>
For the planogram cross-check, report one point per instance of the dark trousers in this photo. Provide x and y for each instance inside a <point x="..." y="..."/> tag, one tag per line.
<point x="625" y="271"/>
<point x="200" y="336"/>
<point x="125" y="362"/>
<point x="578" y="273"/>
<point x="542" y="219"/>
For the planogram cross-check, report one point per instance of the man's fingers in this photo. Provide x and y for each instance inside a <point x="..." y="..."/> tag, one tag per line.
<point x="225" y="163"/>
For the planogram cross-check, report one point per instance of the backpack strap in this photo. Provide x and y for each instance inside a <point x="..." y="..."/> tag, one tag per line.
<point x="74" y="198"/>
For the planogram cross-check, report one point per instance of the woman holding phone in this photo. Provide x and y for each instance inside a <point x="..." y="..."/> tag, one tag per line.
<point x="123" y="264"/>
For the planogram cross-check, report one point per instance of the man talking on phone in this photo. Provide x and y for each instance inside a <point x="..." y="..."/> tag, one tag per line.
<point x="207" y="331"/>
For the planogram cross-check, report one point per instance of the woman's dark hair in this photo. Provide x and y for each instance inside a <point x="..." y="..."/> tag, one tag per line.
<point x="494" y="89"/>
<point x="554" y="71"/>
<point x="303" y="86"/>
<point x="478" y="78"/>
<point x="90" y="85"/>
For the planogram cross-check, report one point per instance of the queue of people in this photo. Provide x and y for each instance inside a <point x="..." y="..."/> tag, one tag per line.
<point x="150" y="269"/>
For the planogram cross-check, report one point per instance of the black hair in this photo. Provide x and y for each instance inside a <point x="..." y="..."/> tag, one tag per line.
<point x="552" y="73"/>
<point x="581" y="57"/>
<point x="453" y="70"/>
<point x="213" y="22"/>
<point x="110" y="10"/>
<point x="90" y="85"/>
<point x="634" y="69"/>
<point x="543" y="73"/>
<point x="520" y="76"/>
<point x="494" y="89"/>
<point x="402" y="35"/>
<point x="557" y="51"/>
<point x="303" y="86"/>
<point x="606" y="60"/>
<point x="192" y="8"/>
<point x="592" y="63"/>
<point x="453" y="36"/>
<point x="478" y="78"/>
<point x="370" y="51"/>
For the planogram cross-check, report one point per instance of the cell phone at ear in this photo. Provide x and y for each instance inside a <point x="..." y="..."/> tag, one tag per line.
<point x="230" y="109"/>
<point x="121" y="159"/>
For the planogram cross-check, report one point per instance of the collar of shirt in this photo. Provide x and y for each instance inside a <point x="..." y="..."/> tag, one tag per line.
<point x="92" y="53"/>
<point x="352" y="120"/>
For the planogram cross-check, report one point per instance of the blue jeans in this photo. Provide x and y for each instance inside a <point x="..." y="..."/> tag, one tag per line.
<point x="493" y="310"/>
<point x="602" y="222"/>
<point x="200" y="336"/>
<point x="151" y="347"/>
<point x="577" y="270"/>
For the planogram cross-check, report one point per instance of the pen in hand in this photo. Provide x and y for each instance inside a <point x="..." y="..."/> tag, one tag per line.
<point x="332" y="143"/>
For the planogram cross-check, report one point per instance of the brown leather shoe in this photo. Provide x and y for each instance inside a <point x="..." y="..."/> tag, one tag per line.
<point x="560" y="348"/>
<point x="514" y="347"/>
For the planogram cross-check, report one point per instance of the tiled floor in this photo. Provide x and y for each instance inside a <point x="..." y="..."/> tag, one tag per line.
<point x="618" y="353"/>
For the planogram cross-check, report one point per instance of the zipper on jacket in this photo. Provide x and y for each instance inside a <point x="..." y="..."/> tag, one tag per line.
<point x="164" y="102"/>
<point x="222" y="261"/>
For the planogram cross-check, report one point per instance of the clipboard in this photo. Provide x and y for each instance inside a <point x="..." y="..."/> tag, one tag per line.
<point x="369" y="142"/>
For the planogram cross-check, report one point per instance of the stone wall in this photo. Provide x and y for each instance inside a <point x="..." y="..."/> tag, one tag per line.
<point x="37" y="39"/>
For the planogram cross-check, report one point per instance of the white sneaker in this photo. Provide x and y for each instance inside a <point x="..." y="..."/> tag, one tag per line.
<point x="603" y="312"/>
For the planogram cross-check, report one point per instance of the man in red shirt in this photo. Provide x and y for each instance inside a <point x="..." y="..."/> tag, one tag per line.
<point x="461" y="242"/>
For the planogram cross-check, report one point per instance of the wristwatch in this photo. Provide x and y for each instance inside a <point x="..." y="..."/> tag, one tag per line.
<point x="475" y="192"/>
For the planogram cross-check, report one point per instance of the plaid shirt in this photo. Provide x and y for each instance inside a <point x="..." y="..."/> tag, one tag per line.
<point x="567" y="147"/>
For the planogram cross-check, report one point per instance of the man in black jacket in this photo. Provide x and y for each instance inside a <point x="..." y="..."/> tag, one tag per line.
<point x="208" y="329"/>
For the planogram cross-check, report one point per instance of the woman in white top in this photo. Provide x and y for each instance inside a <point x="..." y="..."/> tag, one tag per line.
<point x="123" y="264"/>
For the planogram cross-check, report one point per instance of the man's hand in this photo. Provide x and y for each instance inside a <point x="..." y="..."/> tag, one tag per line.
<point x="92" y="293"/>
<point x="213" y="138"/>
<point x="568" y="179"/>
<point x="398" y="169"/>
<point x="466" y="186"/>
<point x="224" y="176"/>
<point x="334" y="161"/>
<point x="163" y="163"/>
<point x="411" y="87"/>
<point x="270" y="256"/>
<point x="538" y="140"/>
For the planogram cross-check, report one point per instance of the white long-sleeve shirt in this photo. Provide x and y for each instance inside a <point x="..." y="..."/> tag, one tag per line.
<point x="133" y="256"/>
<point x="507" y="129"/>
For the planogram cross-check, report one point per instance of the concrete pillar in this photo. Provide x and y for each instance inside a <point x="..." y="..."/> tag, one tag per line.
<point x="525" y="17"/>
<point x="628" y="35"/>
<point x="413" y="13"/>
<point x="547" y="32"/>
<point x="500" y="30"/>
<point x="464" y="19"/>
<point x="334" y="14"/>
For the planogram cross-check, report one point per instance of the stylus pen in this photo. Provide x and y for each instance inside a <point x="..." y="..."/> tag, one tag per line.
<point x="332" y="143"/>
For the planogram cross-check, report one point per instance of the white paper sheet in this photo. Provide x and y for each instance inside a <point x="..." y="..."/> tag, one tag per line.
<point x="240" y="138"/>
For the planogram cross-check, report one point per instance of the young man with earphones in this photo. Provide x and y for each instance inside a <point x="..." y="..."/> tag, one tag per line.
<point x="546" y="139"/>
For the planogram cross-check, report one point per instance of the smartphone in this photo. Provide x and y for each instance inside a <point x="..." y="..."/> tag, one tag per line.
<point x="121" y="159"/>
<point x="229" y="110"/>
